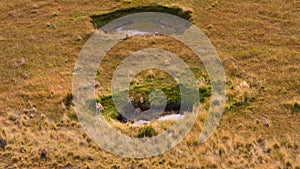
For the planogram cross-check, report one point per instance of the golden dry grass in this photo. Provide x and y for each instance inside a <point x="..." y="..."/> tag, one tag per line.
<point x="258" y="42"/>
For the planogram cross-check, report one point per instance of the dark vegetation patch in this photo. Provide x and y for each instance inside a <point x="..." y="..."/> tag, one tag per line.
<point x="296" y="108"/>
<point x="3" y="143"/>
<point x="171" y="90"/>
<point x="68" y="100"/>
<point x="173" y="96"/>
<point x="147" y="131"/>
<point x="102" y="19"/>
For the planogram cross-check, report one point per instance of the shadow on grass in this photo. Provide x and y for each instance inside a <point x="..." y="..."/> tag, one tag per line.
<point x="100" y="20"/>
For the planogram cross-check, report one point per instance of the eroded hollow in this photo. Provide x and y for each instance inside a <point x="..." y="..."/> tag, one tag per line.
<point x="100" y="20"/>
<point x="145" y="82"/>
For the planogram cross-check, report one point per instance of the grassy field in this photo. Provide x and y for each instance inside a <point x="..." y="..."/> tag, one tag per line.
<point x="258" y="42"/>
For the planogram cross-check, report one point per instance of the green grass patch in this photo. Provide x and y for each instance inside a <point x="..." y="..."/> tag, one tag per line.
<point x="172" y="93"/>
<point x="147" y="131"/>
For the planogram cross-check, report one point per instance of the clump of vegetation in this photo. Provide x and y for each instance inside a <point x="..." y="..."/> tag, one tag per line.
<point x="147" y="131"/>
<point x="68" y="100"/>
<point x="3" y="143"/>
<point x="293" y="105"/>
<point x="296" y="108"/>
<point x="110" y="111"/>
<point x="173" y="97"/>
<point x="164" y="83"/>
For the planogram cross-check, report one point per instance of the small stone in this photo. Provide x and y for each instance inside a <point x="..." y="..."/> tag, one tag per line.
<point x="210" y="26"/>
<point x="2" y="38"/>
<point x="261" y="142"/>
<point x="35" y="11"/>
<point x="13" y="117"/>
<point x="63" y="105"/>
<point x="97" y="85"/>
<point x="14" y="15"/>
<point x="43" y="117"/>
<point x="167" y="62"/>
<point x="54" y="14"/>
<point x="33" y="109"/>
<point x="266" y="123"/>
<point x="244" y="84"/>
<point x="19" y="64"/>
<point x="170" y="132"/>
<point x="179" y="151"/>
<point x="25" y="111"/>
<point x="31" y="116"/>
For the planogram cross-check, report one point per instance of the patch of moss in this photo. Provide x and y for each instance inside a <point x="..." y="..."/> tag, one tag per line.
<point x="147" y="131"/>
<point x="172" y="93"/>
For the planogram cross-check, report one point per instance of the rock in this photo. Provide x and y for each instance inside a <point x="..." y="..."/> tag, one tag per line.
<point x="243" y="92"/>
<point x="141" y="123"/>
<point x="180" y="151"/>
<point x="26" y="111"/>
<point x="261" y="142"/>
<point x="63" y="105"/>
<point x="33" y="109"/>
<point x="43" y="117"/>
<point x="244" y="85"/>
<point x="55" y="14"/>
<point x="167" y="62"/>
<point x="19" y="64"/>
<point x="170" y="132"/>
<point x="210" y="26"/>
<point x="31" y="116"/>
<point x="2" y="38"/>
<point x="3" y="143"/>
<point x="51" y="26"/>
<point x="266" y="123"/>
<point x="97" y="85"/>
<point x="13" y="117"/>
<point x="14" y="15"/>
<point x="34" y="11"/>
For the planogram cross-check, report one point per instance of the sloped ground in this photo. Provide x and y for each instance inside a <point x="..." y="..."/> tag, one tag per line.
<point x="258" y="42"/>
